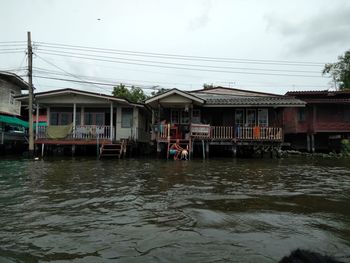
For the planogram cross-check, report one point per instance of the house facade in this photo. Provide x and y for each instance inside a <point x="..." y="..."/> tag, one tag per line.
<point x="322" y="124"/>
<point x="219" y="116"/>
<point x="12" y="128"/>
<point x="75" y="117"/>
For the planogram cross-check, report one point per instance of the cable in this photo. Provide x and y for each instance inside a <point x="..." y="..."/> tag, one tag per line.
<point x="183" y="68"/>
<point x="84" y="81"/>
<point x="10" y="52"/>
<point x="52" y="64"/>
<point x="94" y="49"/>
<point x="124" y="81"/>
<point x="181" y="64"/>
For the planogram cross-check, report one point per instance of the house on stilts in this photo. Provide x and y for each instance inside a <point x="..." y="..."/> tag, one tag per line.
<point x="322" y="124"/>
<point x="219" y="117"/>
<point x="77" y="119"/>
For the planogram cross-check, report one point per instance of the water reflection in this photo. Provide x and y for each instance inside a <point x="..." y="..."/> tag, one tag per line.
<point x="83" y="210"/>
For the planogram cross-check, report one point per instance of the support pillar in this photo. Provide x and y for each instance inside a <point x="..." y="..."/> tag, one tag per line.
<point x="234" y="150"/>
<point x="203" y="151"/>
<point x="308" y="147"/>
<point x="48" y="116"/>
<point x="37" y="122"/>
<point x="42" y="150"/>
<point x="207" y="149"/>
<point x="74" y="118"/>
<point x="312" y="143"/>
<point x="111" y="122"/>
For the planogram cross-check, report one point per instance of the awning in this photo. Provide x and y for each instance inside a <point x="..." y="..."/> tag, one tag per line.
<point x="13" y="120"/>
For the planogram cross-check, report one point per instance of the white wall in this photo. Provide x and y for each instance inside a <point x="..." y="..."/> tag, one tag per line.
<point x="6" y="105"/>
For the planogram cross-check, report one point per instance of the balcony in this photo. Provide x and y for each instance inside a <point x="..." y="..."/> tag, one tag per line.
<point x="221" y="133"/>
<point x="79" y="132"/>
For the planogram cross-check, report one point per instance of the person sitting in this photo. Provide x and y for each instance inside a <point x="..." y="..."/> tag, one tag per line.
<point x="175" y="149"/>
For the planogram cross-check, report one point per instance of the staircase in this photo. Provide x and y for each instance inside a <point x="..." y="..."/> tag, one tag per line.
<point x="113" y="150"/>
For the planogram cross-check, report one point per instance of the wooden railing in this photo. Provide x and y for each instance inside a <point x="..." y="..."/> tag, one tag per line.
<point x="205" y="131"/>
<point x="259" y="133"/>
<point x="222" y="132"/>
<point x="82" y="132"/>
<point x="200" y="130"/>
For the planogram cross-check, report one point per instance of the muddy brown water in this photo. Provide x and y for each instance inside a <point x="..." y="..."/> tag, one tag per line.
<point x="145" y="210"/>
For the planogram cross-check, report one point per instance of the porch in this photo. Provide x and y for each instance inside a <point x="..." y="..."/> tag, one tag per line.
<point x="85" y="134"/>
<point x="165" y="132"/>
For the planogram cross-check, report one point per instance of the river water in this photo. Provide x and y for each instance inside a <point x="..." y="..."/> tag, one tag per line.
<point x="145" y="210"/>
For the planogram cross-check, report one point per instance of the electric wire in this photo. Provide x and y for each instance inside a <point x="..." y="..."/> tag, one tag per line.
<point x="179" y="64"/>
<point x="181" y="68"/>
<point x="77" y="47"/>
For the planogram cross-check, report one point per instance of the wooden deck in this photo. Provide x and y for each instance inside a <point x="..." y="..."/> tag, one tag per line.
<point x="223" y="133"/>
<point x="72" y="142"/>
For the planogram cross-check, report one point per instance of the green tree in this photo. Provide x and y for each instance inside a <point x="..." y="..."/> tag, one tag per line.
<point x="340" y="71"/>
<point x="135" y="94"/>
<point x="158" y="92"/>
<point x="208" y="86"/>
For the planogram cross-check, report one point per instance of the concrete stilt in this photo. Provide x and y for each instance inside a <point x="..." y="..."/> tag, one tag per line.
<point x="203" y="149"/>
<point x="42" y="150"/>
<point x="308" y="147"/>
<point x="207" y="149"/>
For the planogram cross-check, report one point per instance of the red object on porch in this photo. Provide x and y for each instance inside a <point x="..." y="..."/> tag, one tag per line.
<point x="256" y="132"/>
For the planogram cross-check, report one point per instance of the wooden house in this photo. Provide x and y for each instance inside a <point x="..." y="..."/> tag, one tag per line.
<point x="322" y="123"/>
<point x="219" y="116"/>
<point x="12" y="128"/>
<point x="75" y="117"/>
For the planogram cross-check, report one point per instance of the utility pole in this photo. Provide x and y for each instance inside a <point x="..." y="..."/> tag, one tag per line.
<point x="30" y="96"/>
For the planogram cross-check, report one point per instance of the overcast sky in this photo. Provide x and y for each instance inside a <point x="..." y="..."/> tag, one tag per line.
<point x="248" y="39"/>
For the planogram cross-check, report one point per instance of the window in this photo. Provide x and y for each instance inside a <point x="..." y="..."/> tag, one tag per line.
<point x="251" y="117"/>
<point x="127" y="118"/>
<point x="239" y="117"/>
<point x="12" y="97"/>
<point x="263" y="117"/>
<point x="179" y="116"/>
<point x="196" y="116"/>
<point x="60" y="118"/>
<point x="301" y="114"/>
<point x="94" y="118"/>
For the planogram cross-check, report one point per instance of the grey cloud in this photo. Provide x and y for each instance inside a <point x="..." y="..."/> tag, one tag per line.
<point x="323" y="31"/>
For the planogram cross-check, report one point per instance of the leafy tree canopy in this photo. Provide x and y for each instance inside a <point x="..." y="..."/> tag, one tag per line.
<point x="208" y="86"/>
<point x="158" y="92"/>
<point x="340" y="71"/>
<point x="135" y="94"/>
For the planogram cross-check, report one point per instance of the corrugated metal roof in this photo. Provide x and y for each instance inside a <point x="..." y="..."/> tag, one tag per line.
<point x="216" y="99"/>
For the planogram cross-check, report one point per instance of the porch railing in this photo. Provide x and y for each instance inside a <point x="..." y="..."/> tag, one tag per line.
<point x="83" y="132"/>
<point x="259" y="133"/>
<point x="222" y="132"/>
<point x="206" y="131"/>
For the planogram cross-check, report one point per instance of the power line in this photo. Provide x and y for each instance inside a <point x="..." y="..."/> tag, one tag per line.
<point x="86" y="82"/>
<point x="10" y="52"/>
<point x="181" y="68"/>
<point x="174" y="56"/>
<point x="178" y="64"/>
<point x="40" y="70"/>
<point x="52" y="64"/>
